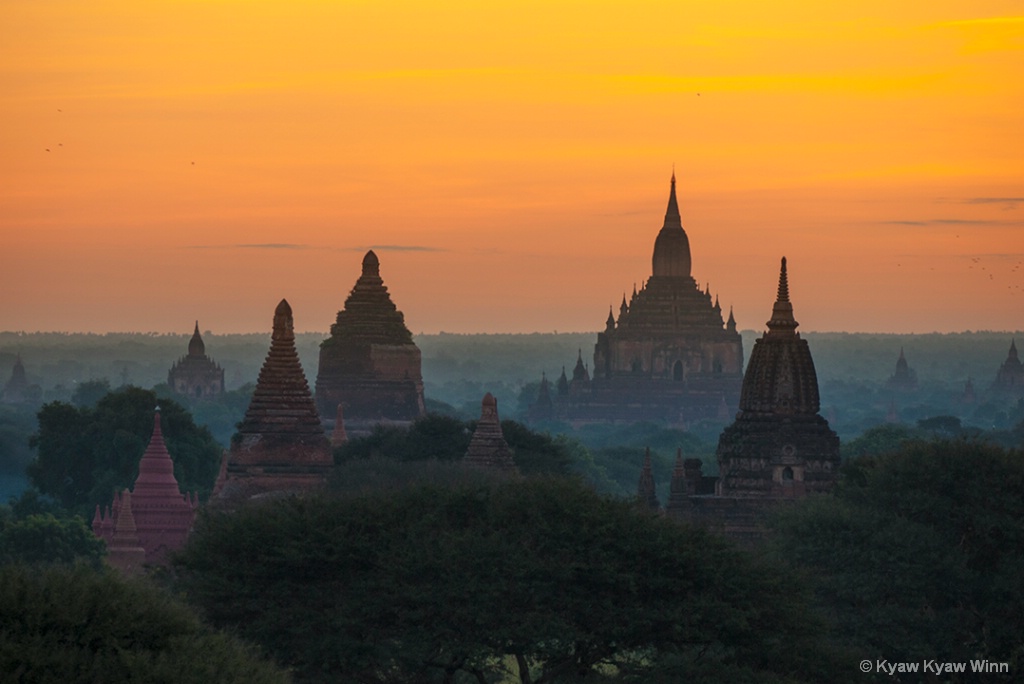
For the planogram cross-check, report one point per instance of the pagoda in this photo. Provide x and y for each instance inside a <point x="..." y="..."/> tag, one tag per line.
<point x="369" y="364"/>
<point x="196" y="375"/>
<point x="18" y="390"/>
<point x="280" y="445"/>
<point x="487" y="446"/>
<point x="646" y="493"/>
<point x="670" y="356"/>
<point x="1010" y="376"/>
<point x="905" y="378"/>
<point x="779" y="446"/>
<point x="160" y="515"/>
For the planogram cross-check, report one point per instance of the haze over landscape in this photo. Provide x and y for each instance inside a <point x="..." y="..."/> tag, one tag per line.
<point x="509" y="162"/>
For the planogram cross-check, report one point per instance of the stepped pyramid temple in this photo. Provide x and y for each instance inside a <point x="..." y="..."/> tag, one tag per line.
<point x="487" y="447"/>
<point x="1010" y="376"/>
<point x="152" y="520"/>
<point x="370" y="365"/>
<point x="669" y="357"/>
<point x="778" y="449"/>
<point x="196" y="375"/>
<point x="280" y="445"/>
<point x="905" y="377"/>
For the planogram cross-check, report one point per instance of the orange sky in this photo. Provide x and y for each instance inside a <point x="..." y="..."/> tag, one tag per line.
<point x="509" y="161"/>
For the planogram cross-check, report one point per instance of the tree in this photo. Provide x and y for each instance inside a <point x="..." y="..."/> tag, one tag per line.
<point x="444" y="438"/>
<point x="45" y="538"/>
<point x="920" y="553"/>
<point x="540" y="580"/>
<point x="84" y="454"/>
<point x="77" y="625"/>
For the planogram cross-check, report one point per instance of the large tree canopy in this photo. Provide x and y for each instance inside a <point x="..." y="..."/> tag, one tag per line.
<point x="85" y="454"/>
<point x="533" y="580"/>
<point x="920" y="554"/>
<point x="65" y="625"/>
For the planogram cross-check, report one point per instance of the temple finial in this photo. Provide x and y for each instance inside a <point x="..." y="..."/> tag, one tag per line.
<point x="783" y="283"/>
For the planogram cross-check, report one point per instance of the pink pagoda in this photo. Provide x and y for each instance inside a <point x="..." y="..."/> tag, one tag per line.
<point x="162" y="515"/>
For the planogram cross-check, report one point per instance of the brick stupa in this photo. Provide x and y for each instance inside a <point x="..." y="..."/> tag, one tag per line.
<point x="370" y="365"/>
<point x="280" y="445"/>
<point x="487" y="447"/>
<point x="161" y="515"/>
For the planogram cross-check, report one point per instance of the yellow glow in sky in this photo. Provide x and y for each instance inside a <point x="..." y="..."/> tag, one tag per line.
<point x="509" y="162"/>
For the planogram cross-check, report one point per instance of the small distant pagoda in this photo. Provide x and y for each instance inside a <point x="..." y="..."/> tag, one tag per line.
<point x="1010" y="376"/>
<point x="646" y="493"/>
<point x="369" y="364"/>
<point x="779" y="446"/>
<point x="487" y="447"/>
<point x="196" y="375"/>
<point x="155" y="516"/>
<point x="905" y="377"/>
<point x="18" y="390"/>
<point x="280" y="445"/>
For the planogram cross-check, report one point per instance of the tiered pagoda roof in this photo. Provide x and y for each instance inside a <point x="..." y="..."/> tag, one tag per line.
<point x="281" y="425"/>
<point x="488" y="447"/>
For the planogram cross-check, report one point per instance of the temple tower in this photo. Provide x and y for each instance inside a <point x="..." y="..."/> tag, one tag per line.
<point x="905" y="378"/>
<point x="1010" y="376"/>
<point x="280" y="444"/>
<point x="487" y="446"/>
<point x="369" y="364"/>
<point x="196" y="375"/>
<point x="778" y="446"/>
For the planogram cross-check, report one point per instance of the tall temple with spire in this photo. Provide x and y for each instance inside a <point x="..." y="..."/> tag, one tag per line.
<point x="779" y="446"/>
<point x="196" y="375"/>
<point x="669" y="356"/>
<point x="154" y="518"/>
<point x="280" y="445"/>
<point x="369" y="365"/>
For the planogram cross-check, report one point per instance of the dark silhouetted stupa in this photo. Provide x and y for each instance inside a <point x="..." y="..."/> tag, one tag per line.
<point x="280" y="445"/>
<point x="645" y="489"/>
<point x="778" y="446"/>
<point x="16" y="389"/>
<point x="670" y="356"/>
<point x="370" y="365"/>
<point x="196" y="375"/>
<point x="905" y="377"/>
<point x="1010" y="376"/>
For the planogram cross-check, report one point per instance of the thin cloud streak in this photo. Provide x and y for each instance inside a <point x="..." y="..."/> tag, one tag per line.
<point x="265" y="245"/>
<point x="397" y="248"/>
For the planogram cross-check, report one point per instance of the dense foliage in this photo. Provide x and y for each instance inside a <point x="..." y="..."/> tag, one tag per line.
<point x="920" y="553"/>
<point x="63" y="626"/>
<point x="533" y="580"/>
<point x="85" y="454"/>
<point x="444" y="438"/>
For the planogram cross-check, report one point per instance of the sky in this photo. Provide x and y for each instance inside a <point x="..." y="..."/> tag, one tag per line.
<point x="509" y="162"/>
